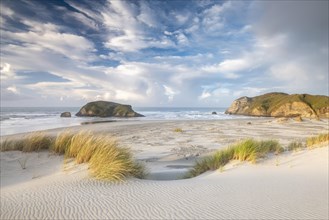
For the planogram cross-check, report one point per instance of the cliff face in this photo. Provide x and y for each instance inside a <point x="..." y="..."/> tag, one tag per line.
<point x="107" y="109"/>
<point x="281" y="105"/>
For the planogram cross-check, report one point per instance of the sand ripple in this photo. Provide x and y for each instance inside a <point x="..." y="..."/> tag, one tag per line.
<point x="245" y="192"/>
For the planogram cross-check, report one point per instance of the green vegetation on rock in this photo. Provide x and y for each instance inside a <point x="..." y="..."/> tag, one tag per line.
<point x="107" y="109"/>
<point x="282" y="105"/>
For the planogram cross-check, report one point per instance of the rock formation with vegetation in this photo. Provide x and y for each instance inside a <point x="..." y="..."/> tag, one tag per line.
<point x="66" y="114"/>
<point x="282" y="105"/>
<point x="107" y="109"/>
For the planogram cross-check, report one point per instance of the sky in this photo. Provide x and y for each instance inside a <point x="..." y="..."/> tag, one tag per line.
<point x="160" y="53"/>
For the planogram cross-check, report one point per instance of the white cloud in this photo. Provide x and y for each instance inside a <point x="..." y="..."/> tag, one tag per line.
<point x="46" y="37"/>
<point x="170" y="92"/>
<point x="13" y="89"/>
<point x="147" y="15"/>
<point x="229" y="68"/>
<point x="204" y="95"/>
<point x="233" y="65"/>
<point x="6" y="71"/>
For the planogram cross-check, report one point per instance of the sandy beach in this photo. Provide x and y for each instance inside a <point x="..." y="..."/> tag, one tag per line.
<point x="292" y="185"/>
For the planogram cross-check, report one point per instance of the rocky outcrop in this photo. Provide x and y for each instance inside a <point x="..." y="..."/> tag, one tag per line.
<point x="107" y="109"/>
<point x="281" y="105"/>
<point x="66" y="114"/>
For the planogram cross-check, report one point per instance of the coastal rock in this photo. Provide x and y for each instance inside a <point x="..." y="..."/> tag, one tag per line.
<point x="298" y="119"/>
<point x="66" y="114"/>
<point x="107" y="109"/>
<point x="294" y="109"/>
<point x="214" y="113"/>
<point x="281" y="105"/>
<point x="239" y="106"/>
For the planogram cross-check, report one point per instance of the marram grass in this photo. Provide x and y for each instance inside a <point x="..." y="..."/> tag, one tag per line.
<point x="62" y="142"/>
<point x="315" y="141"/>
<point x="178" y="130"/>
<point x="247" y="150"/>
<point x="112" y="163"/>
<point x="295" y="146"/>
<point x="37" y="141"/>
<point x="107" y="160"/>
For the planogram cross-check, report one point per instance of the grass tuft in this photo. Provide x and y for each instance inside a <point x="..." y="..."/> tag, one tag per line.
<point x="36" y="141"/>
<point x="178" y="130"/>
<point x="247" y="150"/>
<point x="295" y="146"/>
<point x="107" y="160"/>
<point x="62" y="142"/>
<point x="11" y="144"/>
<point x="113" y="163"/>
<point x="313" y="142"/>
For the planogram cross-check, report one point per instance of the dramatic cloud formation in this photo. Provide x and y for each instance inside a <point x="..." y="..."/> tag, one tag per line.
<point x="160" y="53"/>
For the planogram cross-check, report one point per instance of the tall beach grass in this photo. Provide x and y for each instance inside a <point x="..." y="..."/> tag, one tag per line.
<point x="246" y="150"/>
<point x="35" y="141"/>
<point x="316" y="141"/>
<point x="107" y="160"/>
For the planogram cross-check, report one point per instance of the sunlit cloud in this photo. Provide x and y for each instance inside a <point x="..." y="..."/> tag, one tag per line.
<point x="160" y="53"/>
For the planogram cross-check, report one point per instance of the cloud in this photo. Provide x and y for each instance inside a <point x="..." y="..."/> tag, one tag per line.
<point x="6" y="71"/>
<point x="170" y="92"/>
<point x="13" y="89"/>
<point x="152" y="53"/>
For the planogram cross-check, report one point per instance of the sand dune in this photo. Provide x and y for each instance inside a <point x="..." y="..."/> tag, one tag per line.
<point x="292" y="185"/>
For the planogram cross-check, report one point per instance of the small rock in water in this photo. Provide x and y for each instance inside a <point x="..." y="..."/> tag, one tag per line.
<point x="66" y="114"/>
<point x="214" y="113"/>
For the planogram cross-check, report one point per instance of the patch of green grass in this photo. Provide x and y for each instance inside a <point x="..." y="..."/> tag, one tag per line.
<point x="295" y="146"/>
<point x="314" y="141"/>
<point x="178" y="130"/>
<point x="247" y="150"/>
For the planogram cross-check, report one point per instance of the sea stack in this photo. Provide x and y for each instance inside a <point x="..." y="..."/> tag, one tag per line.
<point x="66" y="114"/>
<point x="107" y="109"/>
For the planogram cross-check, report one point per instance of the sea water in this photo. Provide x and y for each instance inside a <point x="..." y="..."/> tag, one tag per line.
<point x="15" y="120"/>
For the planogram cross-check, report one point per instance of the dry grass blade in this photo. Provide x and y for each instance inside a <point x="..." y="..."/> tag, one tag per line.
<point x="37" y="141"/>
<point x="62" y="142"/>
<point x="315" y="141"/>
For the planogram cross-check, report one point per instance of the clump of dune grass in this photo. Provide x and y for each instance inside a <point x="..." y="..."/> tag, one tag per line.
<point x="91" y="144"/>
<point x="113" y="163"/>
<point x="295" y="146"/>
<point x="62" y="142"/>
<point x="11" y="144"/>
<point x="81" y="140"/>
<point x="214" y="162"/>
<point x="178" y="130"/>
<point x="37" y="141"/>
<point x="315" y="141"/>
<point x="107" y="160"/>
<point x="34" y="141"/>
<point x="246" y="150"/>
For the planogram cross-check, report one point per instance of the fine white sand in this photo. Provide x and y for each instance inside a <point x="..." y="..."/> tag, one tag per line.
<point x="293" y="185"/>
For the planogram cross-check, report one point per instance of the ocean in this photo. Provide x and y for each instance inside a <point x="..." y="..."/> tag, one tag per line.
<point x="16" y="120"/>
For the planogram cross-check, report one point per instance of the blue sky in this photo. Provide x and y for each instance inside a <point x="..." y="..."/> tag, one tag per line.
<point x="160" y="53"/>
